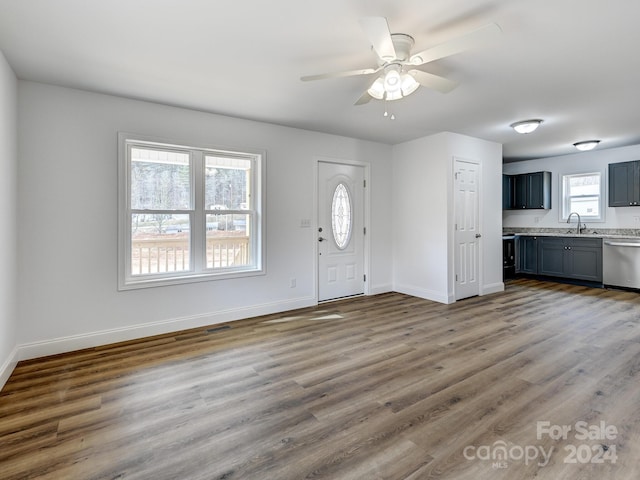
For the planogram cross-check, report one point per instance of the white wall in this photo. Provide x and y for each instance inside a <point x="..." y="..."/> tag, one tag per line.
<point x="8" y="223"/>
<point x="68" y="219"/>
<point x="584" y="162"/>
<point x="423" y="213"/>
<point x="421" y="173"/>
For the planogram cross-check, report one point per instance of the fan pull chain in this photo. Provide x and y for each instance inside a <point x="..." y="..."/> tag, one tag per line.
<point x="386" y="112"/>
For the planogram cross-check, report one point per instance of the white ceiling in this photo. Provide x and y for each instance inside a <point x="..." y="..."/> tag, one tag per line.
<point x="573" y="63"/>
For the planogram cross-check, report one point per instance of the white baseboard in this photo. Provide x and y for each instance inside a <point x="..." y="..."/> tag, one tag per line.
<point x="492" y="288"/>
<point x="423" y="293"/>
<point x="378" y="289"/>
<point x="105" y="337"/>
<point x="8" y="366"/>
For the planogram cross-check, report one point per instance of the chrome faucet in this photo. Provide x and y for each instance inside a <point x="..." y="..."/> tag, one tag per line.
<point x="578" y="227"/>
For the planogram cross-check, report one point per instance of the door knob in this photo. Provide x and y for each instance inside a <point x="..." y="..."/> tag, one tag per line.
<point x="321" y="239"/>
<point x="478" y="235"/>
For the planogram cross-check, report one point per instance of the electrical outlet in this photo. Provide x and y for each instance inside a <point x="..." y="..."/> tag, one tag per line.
<point x="636" y="219"/>
<point x="292" y="283"/>
<point x="305" y="223"/>
<point x="536" y="219"/>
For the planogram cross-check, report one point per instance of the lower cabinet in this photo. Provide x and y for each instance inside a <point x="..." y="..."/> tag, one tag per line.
<point x="527" y="255"/>
<point x="570" y="257"/>
<point x="565" y="257"/>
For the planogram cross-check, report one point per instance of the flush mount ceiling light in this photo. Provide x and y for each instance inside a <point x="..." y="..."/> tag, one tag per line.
<point x="586" y="145"/>
<point x="526" y="126"/>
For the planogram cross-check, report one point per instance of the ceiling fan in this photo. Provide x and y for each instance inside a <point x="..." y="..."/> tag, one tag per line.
<point x="400" y="75"/>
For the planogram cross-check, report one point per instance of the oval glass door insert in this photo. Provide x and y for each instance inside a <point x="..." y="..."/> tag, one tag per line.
<point x="341" y="220"/>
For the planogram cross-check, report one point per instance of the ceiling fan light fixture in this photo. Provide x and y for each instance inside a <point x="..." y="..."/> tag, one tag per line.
<point x="526" y="126"/>
<point x="409" y="84"/>
<point x="376" y="90"/>
<point x="395" y="95"/>
<point x="586" y="145"/>
<point x="392" y="80"/>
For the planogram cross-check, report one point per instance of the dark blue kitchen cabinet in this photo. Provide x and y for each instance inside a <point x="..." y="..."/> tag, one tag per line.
<point x="624" y="184"/>
<point x="570" y="257"/>
<point x="552" y="256"/>
<point x="527" y="255"/>
<point x="508" y="191"/>
<point x="526" y="191"/>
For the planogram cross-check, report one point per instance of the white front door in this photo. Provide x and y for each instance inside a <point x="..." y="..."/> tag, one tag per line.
<point x="340" y="230"/>
<point x="467" y="229"/>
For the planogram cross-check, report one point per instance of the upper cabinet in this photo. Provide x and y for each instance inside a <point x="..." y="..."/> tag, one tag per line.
<point x="508" y="191"/>
<point x="624" y="184"/>
<point x="526" y="190"/>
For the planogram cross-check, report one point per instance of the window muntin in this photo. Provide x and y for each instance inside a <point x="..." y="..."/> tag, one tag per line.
<point x="582" y="193"/>
<point x="341" y="218"/>
<point x="188" y="214"/>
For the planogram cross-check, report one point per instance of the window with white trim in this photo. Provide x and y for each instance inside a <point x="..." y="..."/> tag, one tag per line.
<point x="188" y="214"/>
<point x="582" y="193"/>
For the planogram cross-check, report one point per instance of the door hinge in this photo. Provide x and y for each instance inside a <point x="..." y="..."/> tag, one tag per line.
<point x="364" y="277"/>
<point x="456" y="277"/>
<point x="364" y="230"/>
<point x="364" y="184"/>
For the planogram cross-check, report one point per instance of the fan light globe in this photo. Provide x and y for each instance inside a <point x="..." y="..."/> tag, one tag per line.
<point x="392" y="81"/>
<point x="395" y="95"/>
<point x="409" y="84"/>
<point x="376" y="90"/>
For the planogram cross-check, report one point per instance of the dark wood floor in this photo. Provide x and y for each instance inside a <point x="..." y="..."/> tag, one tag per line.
<point x="383" y="387"/>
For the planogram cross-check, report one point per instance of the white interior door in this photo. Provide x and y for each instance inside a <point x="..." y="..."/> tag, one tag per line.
<point x="467" y="231"/>
<point x="340" y="230"/>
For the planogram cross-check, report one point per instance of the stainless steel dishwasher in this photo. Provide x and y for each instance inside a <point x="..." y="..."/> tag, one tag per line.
<point x="621" y="262"/>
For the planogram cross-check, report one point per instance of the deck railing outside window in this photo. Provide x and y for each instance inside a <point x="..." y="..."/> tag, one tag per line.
<point x="150" y="256"/>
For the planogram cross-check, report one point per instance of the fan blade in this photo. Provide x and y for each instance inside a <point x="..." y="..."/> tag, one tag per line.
<point x="435" y="82"/>
<point x="476" y="38"/>
<point x="377" y="30"/>
<point x="349" y="73"/>
<point x="365" y="98"/>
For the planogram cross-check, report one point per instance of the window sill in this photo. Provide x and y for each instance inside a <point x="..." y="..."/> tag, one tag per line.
<point x="146" y="282"/>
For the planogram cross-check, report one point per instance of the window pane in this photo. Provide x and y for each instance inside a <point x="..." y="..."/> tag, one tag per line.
<point x="584" y="185"/>
<point x="159" y="243"/>
<point x="160" y="180"/>
<point x="586" y="206"/>
<point x="228" y="242"/>
<point x="341" y="216"/>
<point x="227" y="183"/>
